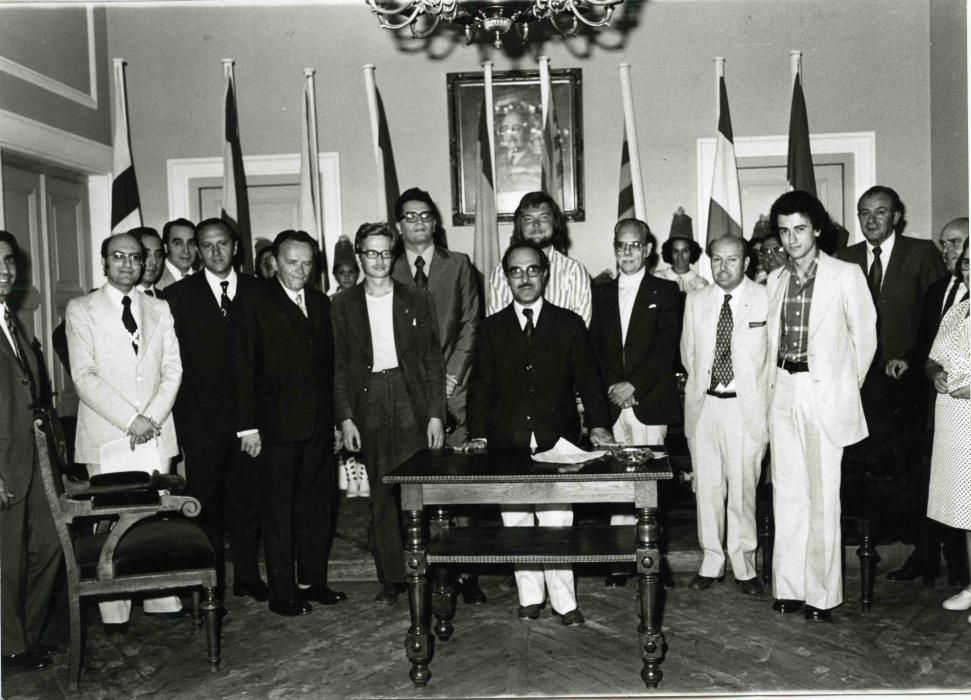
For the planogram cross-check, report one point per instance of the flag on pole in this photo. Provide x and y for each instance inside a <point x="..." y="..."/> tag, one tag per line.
<point x="383" y="153"/>
<point x="630" y="201"/>
<point x="799" y="167"/>
<point x="235" y="206"/>
<point x="311" y="219"/>
<point x="485" y="245"/>
<point x="625" y="198"/>
<point x="126" y="210"/>
<point x="552" y="173"/>
<point x="725" y="208"/>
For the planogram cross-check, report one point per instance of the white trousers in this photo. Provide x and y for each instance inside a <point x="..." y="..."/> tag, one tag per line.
<point x="726" y="471"/>
<point x="534" y="581"/>
<point x="115" y="612"/>
<point x="630" y="431"/>
<point x="807" y="564"/>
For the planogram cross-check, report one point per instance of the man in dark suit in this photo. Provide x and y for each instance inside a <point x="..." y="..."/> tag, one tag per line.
<point x="530" y="359"/>
<point x="390" y="387"/>
<point x="30" y="552"/>
<point x="179" y="237"/>
<point x="153" y="260"/>
<point x="635" y="332"/>
<point x="285" y="389"/>
<point x="224" y="481"/>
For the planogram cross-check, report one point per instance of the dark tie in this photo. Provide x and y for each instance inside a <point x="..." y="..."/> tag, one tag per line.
<point x="224" y="300"/>
<point x="18" y="349"/>
<point x="529" y="327"/>
<point x="150" y="292"/>
<point x="950" y="297"/>
<point x="421" y="279"/>
<point x="129" y="321"/>
<point x="875" y="278"/>
<point x="721" y="371"/>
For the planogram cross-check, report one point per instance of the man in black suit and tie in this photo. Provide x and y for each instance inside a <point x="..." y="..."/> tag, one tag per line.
<point x="153" y="259"/>
<point x="29" y="550"/>
<point x="530" y="359"/>
<point x="285" y="406"/>
<point x="217" y="473"/>
<point x="635" y="332"/>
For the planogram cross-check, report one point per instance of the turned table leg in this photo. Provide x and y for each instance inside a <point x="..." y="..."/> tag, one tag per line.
<point x="443" y="595"/>
<point x="649" y="590"/>
<point x="418" y="641"/>
<point x="867" y="552"/>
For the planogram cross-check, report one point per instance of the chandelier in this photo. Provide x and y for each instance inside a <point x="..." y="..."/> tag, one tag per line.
<point x="494" y="17"/>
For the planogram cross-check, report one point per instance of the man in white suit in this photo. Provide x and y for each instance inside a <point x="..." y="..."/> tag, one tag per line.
<point x="126" y="367"/>
<point x="822" y="334"/>
<point x="725" y="349"/>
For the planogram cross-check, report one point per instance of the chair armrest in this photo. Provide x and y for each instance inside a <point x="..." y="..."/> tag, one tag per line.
<point x="121" y="482"/>
<point x="121" y="499"/>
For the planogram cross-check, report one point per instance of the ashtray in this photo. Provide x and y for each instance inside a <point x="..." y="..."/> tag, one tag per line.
<point x="632" y="457"/>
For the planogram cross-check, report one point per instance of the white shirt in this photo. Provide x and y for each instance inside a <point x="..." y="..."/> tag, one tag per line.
<point x="215" y="284"/>
<point x="886" y="248"/>
<point x="426" y="255"/>
<point x="176" y="272"/>
<point x="290" y="293"/>
<point x="627" y="286"/>
<point x="536" y="306"/>
<point x="6" y="330"/>
<point x="115" y="295"/>
<point x="687" y="282"/>
<point x="733" y="304"/>
<point x="568" y="287"/>
<point x="381" y="320"/>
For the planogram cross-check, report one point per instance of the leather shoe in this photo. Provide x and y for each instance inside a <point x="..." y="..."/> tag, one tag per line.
<point x="255" y="589"/>
<point x="531" y="612"/>
<point x="700" y="583"/>
<point x="615" y="580"/>
<point x="817" y="614"/>
<point x="321" y="593"/>
<point x="572" y="618"/>
<point x="751" y="586"/>
<point x="787" y="605"/>
<point x="469" y="588"/>
<point x="911" y="570"/>
<point x="389" y="593"/>
<point x="45" y="650"/>
<point x="290" y="608"/>
<point x="30" y="660"/>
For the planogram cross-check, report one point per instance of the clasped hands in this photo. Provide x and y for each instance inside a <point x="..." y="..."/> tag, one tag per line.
<point x="142" y="429"/>
<point x="621" y="395"/>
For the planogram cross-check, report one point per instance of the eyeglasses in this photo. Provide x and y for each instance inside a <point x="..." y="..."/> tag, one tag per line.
<point x="412" y="216"/>
<point x="774" y="250"/>
<point x="517" y="273"/>
<point x="119" y="257"/>
<point x="375" y="254"/>
<point x="631" y="247"/>
<point x="542" y="219"/>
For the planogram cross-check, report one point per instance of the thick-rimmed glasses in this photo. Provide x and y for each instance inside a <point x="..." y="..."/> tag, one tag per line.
<point x="517" y="273"/>
<point x="628" y="247"/>
<point x="375" y="254"/>
<point x="119" y="257"/>
<point x="412" y="217"/>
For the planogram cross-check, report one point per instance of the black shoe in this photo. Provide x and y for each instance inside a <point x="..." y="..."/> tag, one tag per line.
<point x="615" y="580"/>
<point x="113" y="628"/>
<point x="46" y="650"/>
<point x="30" y="660"/>
<point x="700" y="583"/>
<point x="469" y="588"/>
<point x="508" y="583"/>
<point x="290" y="608"/>
<point x="572" y="618"/>
<point x="530" y="612"/>
<point x="751" y="586"/>
<point x="255" y="589"/>
<point x="389" y="593"/>
<point x="911" y="570"/>
<point x="787" y="605"/>
<point x="321" y="593"/>
<point x="818" y="615"/>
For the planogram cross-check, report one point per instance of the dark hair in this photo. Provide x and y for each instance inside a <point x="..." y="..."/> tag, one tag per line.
<point x="366" y="230"/>
<point x="298" y="237"/>
<point x="544" y="261"/>
<point x="167" y="229"/>
<point x="896" y="205"/>
<point x="416" y="194"/>
<point x="646" y="237"/>
<point x="531" y="200"/>
<point x="261" y="253"/>
<point x="771" y="234"/>
<point x="215" y="221"/>
<point x="743" y="243"/>
<point x="798" y="202"/>
<point x="667" y="248"/>
<point x="142" y="232"/>
<point x="9" y="239"/>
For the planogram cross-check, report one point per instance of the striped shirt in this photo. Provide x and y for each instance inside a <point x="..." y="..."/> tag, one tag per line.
<point x="794" y="344"/>
<point x="568" y="287"/>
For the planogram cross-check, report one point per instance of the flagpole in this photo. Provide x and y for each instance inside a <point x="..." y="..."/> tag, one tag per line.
<point x="632" y="150"/>
<point x="719" y="74"/>
<point x="312" y="150"/>
<point x="372" y="103"/>
<point x="795" y="63"/>
<point x="125" y="206"/>
<point x="545" y="88"/>
<point x="490" y="112"/>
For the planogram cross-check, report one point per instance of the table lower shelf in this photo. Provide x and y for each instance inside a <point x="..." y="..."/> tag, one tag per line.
<point x="590" y="544"/>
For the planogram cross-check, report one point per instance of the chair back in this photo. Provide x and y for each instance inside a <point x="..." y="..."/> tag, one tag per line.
<point x="51" y="474"/>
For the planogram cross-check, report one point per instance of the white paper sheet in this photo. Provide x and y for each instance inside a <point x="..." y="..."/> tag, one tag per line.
<point x="118" y="456"/>
<point x="565" y="452"/>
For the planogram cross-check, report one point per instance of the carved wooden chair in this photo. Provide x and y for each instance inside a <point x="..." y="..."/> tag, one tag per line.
<point x="144" y="551"/>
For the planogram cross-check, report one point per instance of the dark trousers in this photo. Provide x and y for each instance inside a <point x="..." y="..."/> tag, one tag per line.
<point x="389" y="436"/>
<point x="299" y="497"/>
<point x="30" y="556"/>
<point x="225" y="482"/>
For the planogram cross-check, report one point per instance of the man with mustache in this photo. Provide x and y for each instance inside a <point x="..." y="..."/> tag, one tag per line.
<point x="179" y="237"/>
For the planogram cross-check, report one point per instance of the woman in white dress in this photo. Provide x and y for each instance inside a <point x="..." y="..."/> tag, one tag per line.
<point x="681" y="253"/>
<point x="949" y="368"/>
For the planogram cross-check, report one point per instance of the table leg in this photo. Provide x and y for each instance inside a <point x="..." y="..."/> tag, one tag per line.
<point x="443" y="595"/>
<point x="418" y="641"/>
<point x="649" y="590"/>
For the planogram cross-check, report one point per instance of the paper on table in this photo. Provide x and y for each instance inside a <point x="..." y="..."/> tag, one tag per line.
<point x="118" y="456"/>
<point x="565" y="452"/>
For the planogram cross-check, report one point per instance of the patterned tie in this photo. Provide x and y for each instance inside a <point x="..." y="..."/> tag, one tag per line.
<point x="129" y="321"/>
<point x="303" y="307"/>
<point x="421" y="279"/>
<point x="875" y="278"/>
<point x="529" y="327"/>
<point x="224" y="300"/>
<point x="721" y="370"/>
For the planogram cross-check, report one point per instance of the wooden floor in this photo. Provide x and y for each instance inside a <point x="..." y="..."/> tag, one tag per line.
<point x="719" y="642"/>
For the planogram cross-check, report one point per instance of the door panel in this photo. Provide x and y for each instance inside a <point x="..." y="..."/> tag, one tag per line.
<point x="272" y="207"/>
<point x="761" y="185"/>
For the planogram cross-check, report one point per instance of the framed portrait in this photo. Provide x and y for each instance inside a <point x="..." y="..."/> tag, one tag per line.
<point x="518" y="139"/>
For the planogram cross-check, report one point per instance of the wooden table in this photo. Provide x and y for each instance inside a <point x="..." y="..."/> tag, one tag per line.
<point x="444" y="477"/>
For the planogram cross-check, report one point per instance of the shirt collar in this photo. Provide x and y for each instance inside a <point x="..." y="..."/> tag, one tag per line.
<point x="116" y="295"/>
<point x="215" y="284"/>
<point x="885" y="248"/>
<point x="633" y="280"/>
<point x="290" y="293"/>
<point x="810" y="272"/>
<point x="174" y="271"/>
<point x="426" y="255"/>
<point x="536" y="306"/>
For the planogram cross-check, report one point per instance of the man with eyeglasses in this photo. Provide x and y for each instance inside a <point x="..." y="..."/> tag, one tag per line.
<point x="126" y="367"/>
<point x="635" y="331"/>
<point x="179" y="237"/>
<point x="539" y="220"/>
<point x="772" y="255"/>
<point x="531" y="359"/>
<point x="389" y="388"/>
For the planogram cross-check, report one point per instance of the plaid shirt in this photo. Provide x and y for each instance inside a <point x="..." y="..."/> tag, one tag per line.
<point x="794" y="344"/>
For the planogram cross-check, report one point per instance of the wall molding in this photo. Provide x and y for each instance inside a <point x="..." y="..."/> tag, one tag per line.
<point x="33" y="138"/>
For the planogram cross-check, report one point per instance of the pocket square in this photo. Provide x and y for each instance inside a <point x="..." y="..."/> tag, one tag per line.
<point x="756" y="324"/>
<point x="414" y="321"/>
<point x="652" y="306"/>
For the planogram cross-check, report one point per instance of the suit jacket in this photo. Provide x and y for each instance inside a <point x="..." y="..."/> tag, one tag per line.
<point x="115" y="383"/>
<point x="750" y="354"/>
<point x="930" y="323"/>
<point x="166" y="280"/>
<point x="518" y="388"/>
<point x="646" y="360"/>
<point x="17" y="412"/>
<point x="842" y="343"/>
<point x="284" y="364"/>
<point x="417" y="345"/>
<point x="913" y="266"/>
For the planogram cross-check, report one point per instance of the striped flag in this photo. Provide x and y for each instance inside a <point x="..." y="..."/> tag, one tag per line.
<point x="725" y="208"/>
<point x="311" y="219"/>
<point x="625" y="198"/>
<point x="126" y="211"/>
<point x="383" y="153"/>
<point x="235" y="209"/>
<point x="485" y="244"/>
<point x="799" y="167"/>
<point x="552" y="174"/>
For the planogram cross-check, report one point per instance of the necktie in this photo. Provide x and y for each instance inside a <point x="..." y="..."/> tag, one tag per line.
<point x="529" y="327"/>
<point x="421" y="279"/>
<point x="17" y="347"/>
<point x="129" y="321"/>
<point x="721" y="371"/>
<point x="950" y="298"/>
<point x="224" y="300"/>
<point x="875" y="278"/>
<point x="303" y="307"/>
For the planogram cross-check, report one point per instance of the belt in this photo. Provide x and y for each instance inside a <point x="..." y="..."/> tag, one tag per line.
<point x="393" y="370"/>
<point x="721" y="394"/>
<point x="793" y="367"/>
